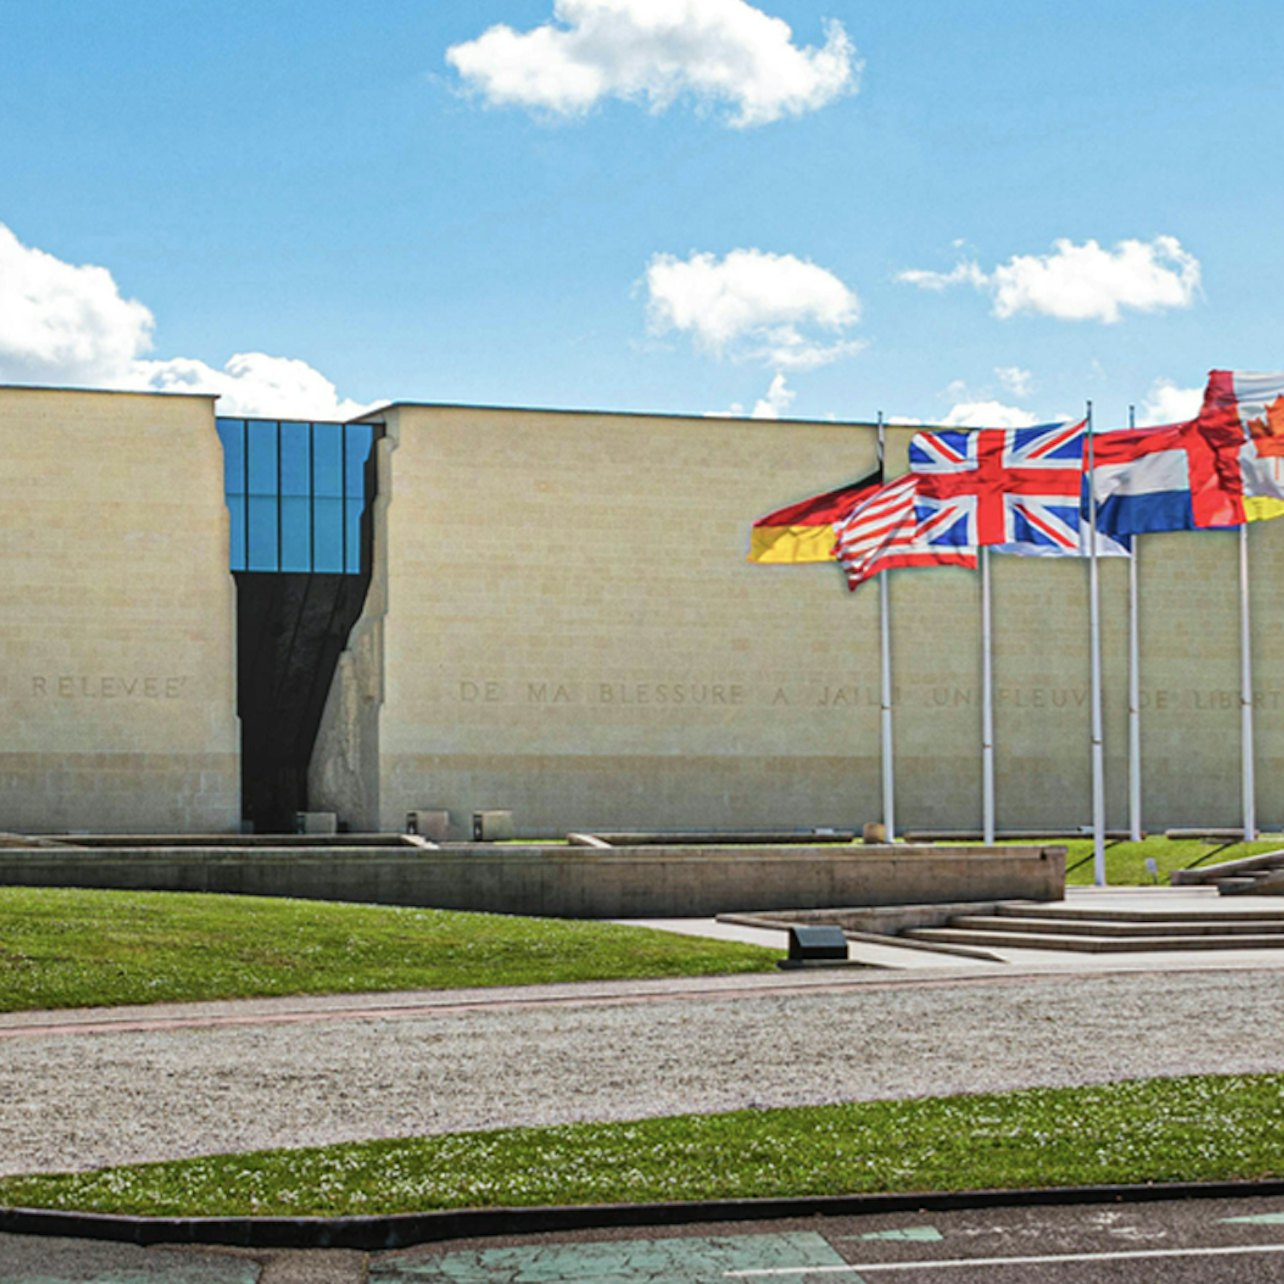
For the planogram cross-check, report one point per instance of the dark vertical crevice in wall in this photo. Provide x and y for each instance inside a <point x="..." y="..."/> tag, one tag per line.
<point x="291" y="630"/>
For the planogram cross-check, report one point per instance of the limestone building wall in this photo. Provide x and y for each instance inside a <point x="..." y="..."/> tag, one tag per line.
<point x="572" y="630"/>
<point x="563" y="623"/>
<point x="117" y="664"/>
<point x="344" y="775"/>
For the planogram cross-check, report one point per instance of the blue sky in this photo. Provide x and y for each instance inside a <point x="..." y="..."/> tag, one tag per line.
<point x="598" y="211"/>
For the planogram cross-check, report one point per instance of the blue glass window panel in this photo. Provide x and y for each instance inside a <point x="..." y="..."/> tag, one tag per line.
<point x="353" y="508"/>
<point x="355" y="453"/>
<point x="236" y="532"/>
<point x="327" y="460"/>
<point x="327" y="535"/>
<point x="296" y="459"/>
<point x="262" y="443"/>
<point x="261" y="541"/>
<point x="231" y="433"/>
<point x="296" y="533"/>
<point x="306" y="494"/>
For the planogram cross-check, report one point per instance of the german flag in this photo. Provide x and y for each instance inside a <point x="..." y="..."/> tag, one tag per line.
<point x="804" y="532"/>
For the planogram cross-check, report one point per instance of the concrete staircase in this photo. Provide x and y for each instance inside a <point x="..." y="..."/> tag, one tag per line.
<point x="1252" y="876"/>
<point x="1028" y="925"/>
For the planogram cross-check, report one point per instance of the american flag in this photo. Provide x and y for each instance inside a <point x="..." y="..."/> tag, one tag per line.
<point x="884" y="533"/>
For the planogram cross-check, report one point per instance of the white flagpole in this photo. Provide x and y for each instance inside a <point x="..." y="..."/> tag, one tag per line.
<point x="885" y="711"/>
<point x="1246" y="693"/>
<point x="1094" y="626"/>
<point x="987" y="705"/>
<point x="1134" y="685"/>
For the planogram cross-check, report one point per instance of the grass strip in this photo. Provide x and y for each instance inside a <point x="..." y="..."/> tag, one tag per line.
<point x="1126" y="862"/>
<point x="1146" y="1130"/>
<point x="71" y="947"/>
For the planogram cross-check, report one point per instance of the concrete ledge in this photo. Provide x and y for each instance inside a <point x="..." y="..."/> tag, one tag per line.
<point x="1211" y="873"/>
<point x="231" y="841"/>
<point x="872" y="920"/>
<point x="400" y="1230"/>
<point x="721" y="838"/>
<point x="1010" y="835"/>
<point x="568" y="882"/>
<point x="28" y="840"/>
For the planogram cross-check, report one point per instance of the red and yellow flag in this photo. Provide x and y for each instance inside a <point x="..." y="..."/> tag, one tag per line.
<point x="804" y="532"/>
<point x="1236" y="449"/>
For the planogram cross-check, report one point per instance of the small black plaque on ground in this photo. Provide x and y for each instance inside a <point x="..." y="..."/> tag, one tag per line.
<point x="816" y="942"/>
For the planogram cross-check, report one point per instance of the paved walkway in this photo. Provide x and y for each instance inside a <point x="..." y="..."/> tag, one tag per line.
<point x="1129" y="899"/>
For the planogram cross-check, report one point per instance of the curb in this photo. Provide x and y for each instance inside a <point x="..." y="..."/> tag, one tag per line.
<point x="402" y="1229"/>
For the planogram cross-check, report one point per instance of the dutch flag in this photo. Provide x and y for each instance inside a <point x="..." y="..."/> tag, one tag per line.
<point x="1141" y="481"/>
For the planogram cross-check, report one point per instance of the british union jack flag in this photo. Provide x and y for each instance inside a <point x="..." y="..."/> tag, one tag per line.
<point x="1016" y="490"/>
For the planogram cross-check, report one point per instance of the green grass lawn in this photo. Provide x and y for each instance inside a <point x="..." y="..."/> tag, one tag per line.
<point x="1126" y="862"/>
<point x="1152" y="1130"/>
<point x="62" y="947"/>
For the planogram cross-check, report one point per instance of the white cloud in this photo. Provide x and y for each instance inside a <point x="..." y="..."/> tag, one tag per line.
<point x="1081" y="282"/>
<point x="789" y="350"/>
<point x="771" y="405"/>
<point x="723" y="52"/>
<point x="1017" y="381"/>
<point x="753" y="305"/>
<point x="965" y="273"/>
<point x="64" y="324"/>
<point x="1169" y="404"/>
<point x="987" y="414"/>
<point x="1085" y="282"/>
<point x="776" y="401"/>
<point x="250" y="383"/>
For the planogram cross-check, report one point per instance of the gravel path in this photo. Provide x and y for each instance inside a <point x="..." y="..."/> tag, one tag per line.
<point x="81" y="1100"/>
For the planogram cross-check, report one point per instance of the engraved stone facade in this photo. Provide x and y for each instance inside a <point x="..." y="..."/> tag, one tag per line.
<point x="565" y="625"/>
<point x="561" y="622"/>
<point x="117" y="681"/>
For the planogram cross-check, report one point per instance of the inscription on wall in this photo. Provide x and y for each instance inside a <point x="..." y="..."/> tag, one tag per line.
<point x="684" y="693"/>
<point x="109" y="686"/>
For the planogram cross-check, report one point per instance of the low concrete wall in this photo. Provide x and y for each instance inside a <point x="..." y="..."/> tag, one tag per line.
<point x="569" y="882"/>
<point x="871" y="920"/>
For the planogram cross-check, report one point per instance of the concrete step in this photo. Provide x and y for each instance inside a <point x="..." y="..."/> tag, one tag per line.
<point x="1058" y="912"/>
<point x="1117" y="927"/>
<point x="1226" y="868"/>
<point x="1246" y="885"/>
<point x="1255" y="882"/>
<point x="1269" y="883"/>
<point x="1092" y="944"/>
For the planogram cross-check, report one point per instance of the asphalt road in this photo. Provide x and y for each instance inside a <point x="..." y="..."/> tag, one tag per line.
<point x="1179" y="1242"/>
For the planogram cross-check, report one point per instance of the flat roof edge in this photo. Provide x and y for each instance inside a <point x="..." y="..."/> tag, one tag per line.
<point x="381" y="408"/>
<point x="628" y="414"/>
<point x="105" y="392"/>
